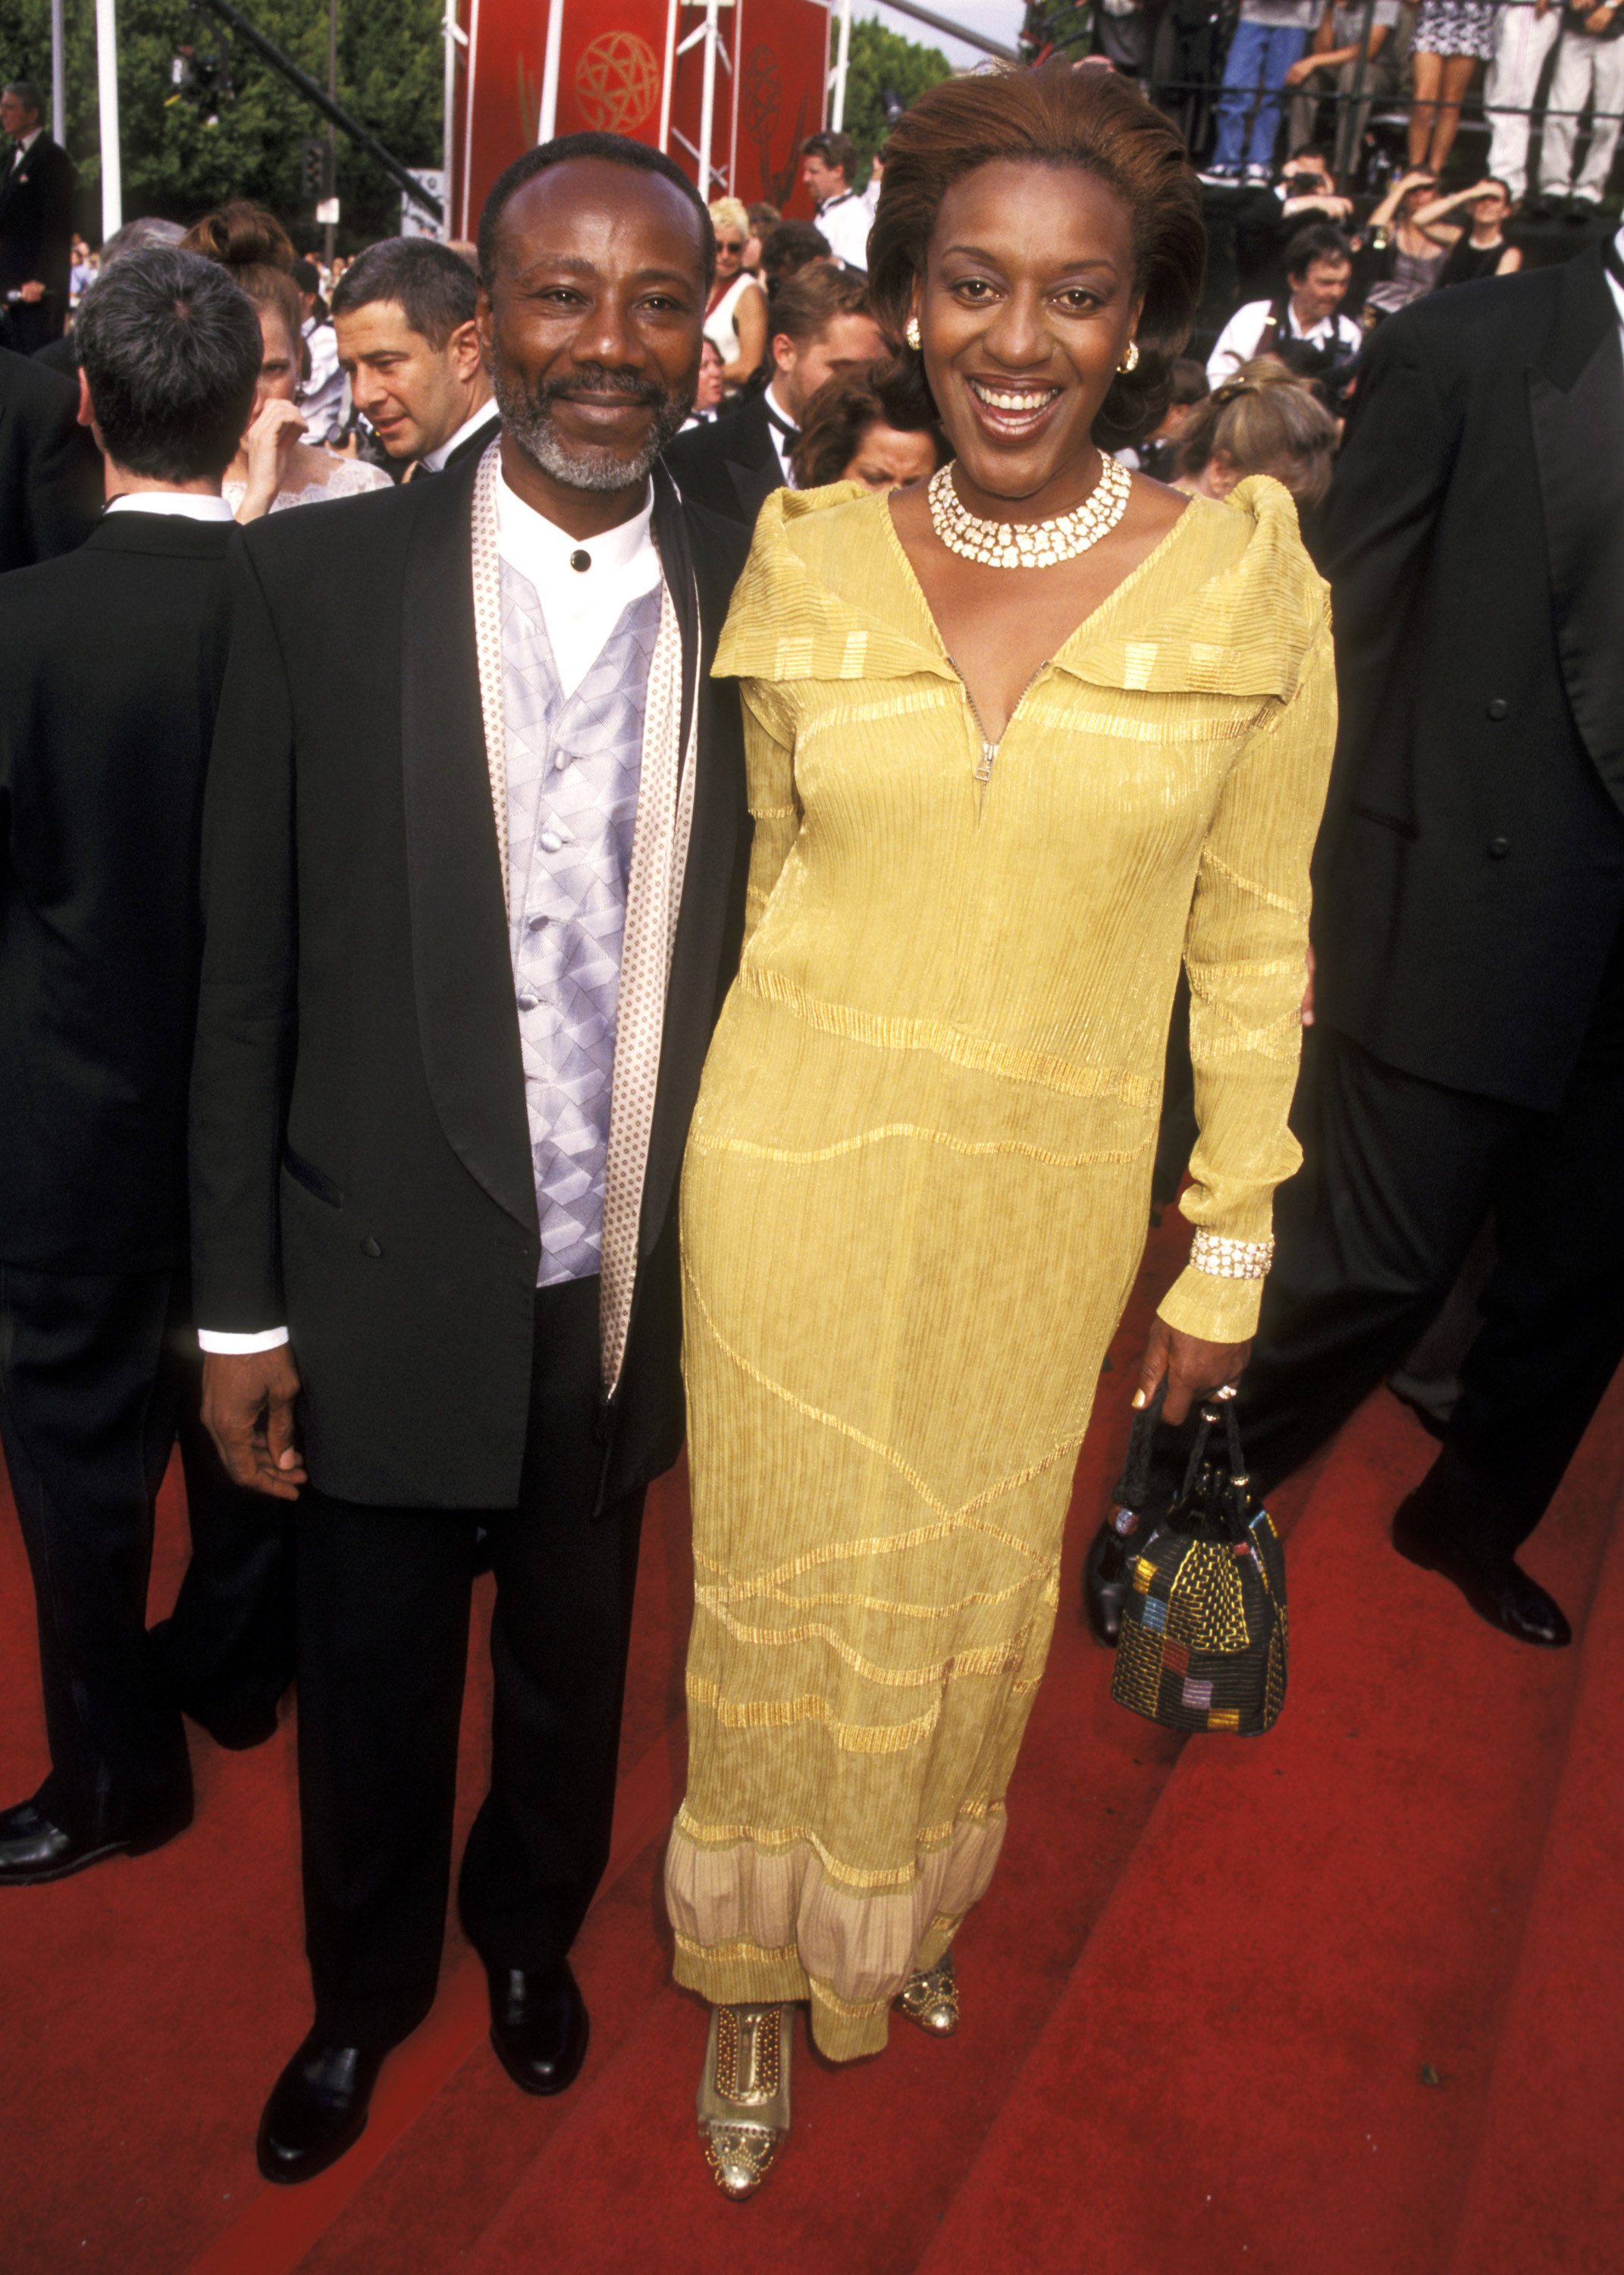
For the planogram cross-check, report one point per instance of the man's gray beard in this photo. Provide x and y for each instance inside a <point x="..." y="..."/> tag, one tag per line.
<point x="598" y="467"/>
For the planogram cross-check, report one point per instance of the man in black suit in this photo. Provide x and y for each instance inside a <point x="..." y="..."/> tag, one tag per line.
<point x="36" y="223"/>
<point x="51" y="470"/>
<point x="1468" y="1052"/>
<point x="110" y="662"/>
<point x="820" y="330"/>
<point x="474" y="889"/>
<point x="404" y="317"/>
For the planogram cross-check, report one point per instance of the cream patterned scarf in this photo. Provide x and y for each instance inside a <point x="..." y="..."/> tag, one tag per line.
<point x="654" y="898"/>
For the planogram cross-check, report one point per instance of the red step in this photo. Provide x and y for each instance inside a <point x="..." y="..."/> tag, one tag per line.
<point x="1547" y="2189"/>
<point x="1275" y="2053"/>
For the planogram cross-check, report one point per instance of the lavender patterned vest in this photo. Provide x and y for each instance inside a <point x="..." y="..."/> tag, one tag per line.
<point x="573" y="768"/>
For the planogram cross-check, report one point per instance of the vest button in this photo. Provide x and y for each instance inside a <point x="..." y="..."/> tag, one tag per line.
<point x="1497" y="708"/>
<point x="1499" y="847"/>
<point x="369" y="1247"/>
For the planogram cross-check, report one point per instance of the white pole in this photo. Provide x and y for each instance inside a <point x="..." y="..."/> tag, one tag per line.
<point x="707" y="98"/>
<point x="469" y="218"/>
<point x="665" y="76"/>
<point x="842" y="56"/>
<point x="548" y="122"/>
<point x="59" y="75"/>
<point x="107" y="89"/>
<point x="448" y="107"/>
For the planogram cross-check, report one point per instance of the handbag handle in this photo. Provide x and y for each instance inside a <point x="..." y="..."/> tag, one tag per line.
<point x="1220" y="1406"/>
<point x="1133" y="1488"/>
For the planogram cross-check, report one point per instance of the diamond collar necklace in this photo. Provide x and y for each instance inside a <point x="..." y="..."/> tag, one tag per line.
<point x="1029" y="544"/>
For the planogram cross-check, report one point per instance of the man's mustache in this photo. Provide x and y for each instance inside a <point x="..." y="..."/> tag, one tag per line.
<point x="598" y="379"/>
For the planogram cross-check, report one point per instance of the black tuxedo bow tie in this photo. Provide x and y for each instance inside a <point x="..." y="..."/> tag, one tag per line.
<point x="777" y="418"/>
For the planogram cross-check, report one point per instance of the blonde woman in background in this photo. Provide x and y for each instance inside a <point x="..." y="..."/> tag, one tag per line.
<point x="273" y="468"/>
<point x="736" y="313"/>
<point x="1265" y="421"/>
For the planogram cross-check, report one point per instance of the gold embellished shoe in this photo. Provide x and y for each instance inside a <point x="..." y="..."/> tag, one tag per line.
<point x="930" y="1997"/>
<point x="744" y="2102"/>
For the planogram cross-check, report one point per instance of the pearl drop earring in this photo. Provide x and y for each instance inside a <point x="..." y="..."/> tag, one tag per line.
<point x="912" y="335"/>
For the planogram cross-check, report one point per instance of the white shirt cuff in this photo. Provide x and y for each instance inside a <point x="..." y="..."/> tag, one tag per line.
<point x="240" y="1346"/>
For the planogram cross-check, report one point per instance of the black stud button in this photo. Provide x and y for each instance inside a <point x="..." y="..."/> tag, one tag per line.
<point x="369" y="1247"/>
<point x="1497" y="708"/>
<point x="1499" y="847"/>
<point x="580" y="559"/>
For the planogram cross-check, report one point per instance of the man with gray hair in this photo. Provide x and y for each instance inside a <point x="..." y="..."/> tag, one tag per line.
<point x="110" y="662"/>
<point x="474" y="891"/>
<point x="36" y="224"/>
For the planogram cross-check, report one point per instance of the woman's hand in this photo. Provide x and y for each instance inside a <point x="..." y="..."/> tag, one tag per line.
<point x="1194" y="1369"/>
<point x="267" y="442"/>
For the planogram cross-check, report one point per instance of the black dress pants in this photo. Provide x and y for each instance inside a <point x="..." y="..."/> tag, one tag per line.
<point x="98" y="1376"/>
<point x="1398" y="1175"/>
<point x="383" y="1608"/>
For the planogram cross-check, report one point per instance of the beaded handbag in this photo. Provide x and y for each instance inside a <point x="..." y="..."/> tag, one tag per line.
<point x="1203" y="1643"/>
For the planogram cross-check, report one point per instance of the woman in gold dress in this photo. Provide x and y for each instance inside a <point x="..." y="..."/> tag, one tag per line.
<point x="1018" y="740"/>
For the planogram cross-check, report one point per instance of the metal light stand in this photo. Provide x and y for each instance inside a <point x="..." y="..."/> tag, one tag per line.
<point x="711" y="176"/>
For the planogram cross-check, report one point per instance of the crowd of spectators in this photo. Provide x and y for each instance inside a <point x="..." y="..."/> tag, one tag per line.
<point x="1309" y="255"/>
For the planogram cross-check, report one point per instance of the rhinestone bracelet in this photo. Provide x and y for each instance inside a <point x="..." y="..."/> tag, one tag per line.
<point x="1231" y="1260"/>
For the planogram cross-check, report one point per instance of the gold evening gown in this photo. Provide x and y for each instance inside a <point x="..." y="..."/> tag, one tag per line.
<point x="917" y="1183"/>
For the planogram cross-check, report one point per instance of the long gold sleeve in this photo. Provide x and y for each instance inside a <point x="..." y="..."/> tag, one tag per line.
<point x="769" y="768"/>
<point x="1245" y="955"/>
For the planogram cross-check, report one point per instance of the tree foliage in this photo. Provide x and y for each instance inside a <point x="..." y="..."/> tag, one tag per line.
<point x="176" y="163"/>
<point x="881" y="63"/>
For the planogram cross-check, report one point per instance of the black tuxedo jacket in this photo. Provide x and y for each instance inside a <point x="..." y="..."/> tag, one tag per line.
<point x="111" y="664"/>
<point x="1469" y="874"/>
<point x="729" y="466"/>
<point x="36" y="223"/>
<point x="51" y="469"/>
<point x="361" y="1166"/>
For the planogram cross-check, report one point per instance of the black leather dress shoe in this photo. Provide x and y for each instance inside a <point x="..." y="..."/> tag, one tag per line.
<point x="34" y="1850"/>
<point x="539" y="2026"/>
<point x="317" y="2110"/>
<point x="1107" y="1576"/>
<point x="1508" y="1599"/>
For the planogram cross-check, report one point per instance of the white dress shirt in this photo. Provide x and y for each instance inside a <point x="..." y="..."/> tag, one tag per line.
<point x="781" y="442"/>
<point x="190" y="505"/>
<point x="1242" y="338"/>
<point x="25" y="143"/>
<point x="580" y="608"/>
<point x="485" y="416"/>
<point x="845" y="221"/>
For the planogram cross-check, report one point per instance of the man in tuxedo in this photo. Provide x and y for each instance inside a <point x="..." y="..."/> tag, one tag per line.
<point x="51" y="470"/>
<point x="821" y="329"/>
<point x="827" y="163"/>
<point x="1468" y="1050"/>
<point x="404" y="315"/>
<point x="110" y="662"/>
<point x="474" y="890"/>
<point x="36" y="224"/>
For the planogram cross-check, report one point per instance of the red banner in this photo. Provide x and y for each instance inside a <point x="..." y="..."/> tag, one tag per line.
<point x="613" y="59"/>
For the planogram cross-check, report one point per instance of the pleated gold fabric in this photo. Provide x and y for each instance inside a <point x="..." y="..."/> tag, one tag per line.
<point x="917" y="1186"/>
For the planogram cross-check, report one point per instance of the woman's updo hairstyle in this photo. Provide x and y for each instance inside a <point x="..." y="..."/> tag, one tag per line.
<point x="257" y="254"/>
<point x="1265" y="420"/>
<point x="1057" y="115"/>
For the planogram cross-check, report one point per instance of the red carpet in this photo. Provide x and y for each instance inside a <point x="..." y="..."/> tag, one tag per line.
<point x="1345" y="2000"/>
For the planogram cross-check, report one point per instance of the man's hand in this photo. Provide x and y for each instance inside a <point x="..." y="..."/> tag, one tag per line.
<point x="1194" y="1369"/>
<point x="1296" y="73"/>
<point x="248" y="1412"/>
<point x="31" y="292"/>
